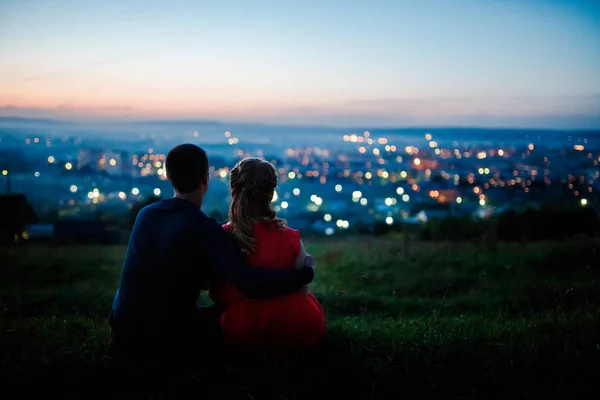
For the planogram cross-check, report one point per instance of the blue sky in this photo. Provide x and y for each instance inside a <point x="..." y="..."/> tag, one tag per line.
<point x="421" y="62"/>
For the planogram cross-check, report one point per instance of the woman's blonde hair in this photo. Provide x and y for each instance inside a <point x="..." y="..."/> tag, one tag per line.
<point x="252" y="182"/>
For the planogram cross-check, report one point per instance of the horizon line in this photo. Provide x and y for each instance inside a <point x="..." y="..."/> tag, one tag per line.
<point x="171" y="120"/>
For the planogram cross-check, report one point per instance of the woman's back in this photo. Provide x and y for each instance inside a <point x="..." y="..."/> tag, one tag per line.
<point x="275" y="248"/>
<point x="282" y="324"/>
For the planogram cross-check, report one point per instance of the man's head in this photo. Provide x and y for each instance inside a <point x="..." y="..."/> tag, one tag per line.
<point x="187" y="170"/>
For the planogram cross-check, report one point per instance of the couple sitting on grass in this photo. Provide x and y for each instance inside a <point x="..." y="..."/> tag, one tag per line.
<point x="255" y="269"/>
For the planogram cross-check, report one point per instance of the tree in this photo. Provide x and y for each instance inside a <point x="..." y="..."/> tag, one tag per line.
<point x="137" y="207"/>
<point x="15" y="213"/>
<point x="218" y="215"/>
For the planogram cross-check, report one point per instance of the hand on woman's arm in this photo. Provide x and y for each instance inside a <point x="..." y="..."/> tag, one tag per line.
<point x="304" y="259"/>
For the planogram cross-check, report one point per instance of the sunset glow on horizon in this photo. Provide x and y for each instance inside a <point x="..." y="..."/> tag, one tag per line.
<point x="488" y="63"/>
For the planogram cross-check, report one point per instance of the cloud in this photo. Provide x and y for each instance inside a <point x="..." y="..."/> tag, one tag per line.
<point x="575" y="112"/>
<point x="67" y="111"/>
<point x="558" y="112"/>
<point x="57" y="74"/>
<point x="478" y="106"/>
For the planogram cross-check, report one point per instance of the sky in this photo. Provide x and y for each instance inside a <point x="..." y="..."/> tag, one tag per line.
<point x="530" y="63"/>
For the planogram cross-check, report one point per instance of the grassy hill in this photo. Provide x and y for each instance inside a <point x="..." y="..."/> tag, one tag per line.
<point x="406" y="320"/>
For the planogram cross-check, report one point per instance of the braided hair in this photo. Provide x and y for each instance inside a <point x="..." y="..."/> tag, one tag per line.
<point x="252" y="182"/>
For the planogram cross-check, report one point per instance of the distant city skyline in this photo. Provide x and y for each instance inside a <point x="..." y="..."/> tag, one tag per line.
<point x="487" y="63"/>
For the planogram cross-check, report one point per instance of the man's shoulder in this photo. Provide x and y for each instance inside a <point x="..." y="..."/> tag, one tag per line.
<point x="170" y="205"/>
<point x="150" y="209"/>
<point x="170" y="210"/>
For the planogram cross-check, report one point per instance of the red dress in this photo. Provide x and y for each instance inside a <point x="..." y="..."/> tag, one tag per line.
<point x="285" y="324"/>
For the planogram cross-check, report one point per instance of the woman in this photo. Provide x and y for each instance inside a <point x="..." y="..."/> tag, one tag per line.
<point x="285" y="324"/>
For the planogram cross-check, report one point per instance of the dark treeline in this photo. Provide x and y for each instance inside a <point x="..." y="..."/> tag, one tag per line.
<point x="531" y="224"/>
<point x="545" y="223"/>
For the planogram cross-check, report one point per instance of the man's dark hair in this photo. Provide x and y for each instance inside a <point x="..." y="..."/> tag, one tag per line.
<point x="187" y="167"/>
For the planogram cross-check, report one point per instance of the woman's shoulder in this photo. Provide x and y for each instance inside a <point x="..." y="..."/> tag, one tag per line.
<point x="279" y="232"/>
<point x="291" y="231"/>
<point x="275" y="226"/>
<point x="269" y="227"/>
<point x="274" y="238"/>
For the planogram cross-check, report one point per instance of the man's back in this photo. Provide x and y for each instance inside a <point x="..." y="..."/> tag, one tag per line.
<point x="164" y="269"/>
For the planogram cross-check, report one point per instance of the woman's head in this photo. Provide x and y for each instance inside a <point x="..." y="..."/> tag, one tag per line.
<point x="252" y="182"/>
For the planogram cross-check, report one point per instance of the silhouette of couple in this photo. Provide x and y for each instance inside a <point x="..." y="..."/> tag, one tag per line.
<point x="255" y="268"/>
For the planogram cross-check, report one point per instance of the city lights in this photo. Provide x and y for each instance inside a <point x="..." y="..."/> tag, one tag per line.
<point x="382" y="178"/>
<point x="340" y="223"/>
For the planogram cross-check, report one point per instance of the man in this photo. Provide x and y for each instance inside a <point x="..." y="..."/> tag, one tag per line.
<point x="173" y="250"/>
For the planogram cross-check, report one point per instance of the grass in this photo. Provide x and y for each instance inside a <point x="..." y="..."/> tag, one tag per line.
<point x="406" y="320"/>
